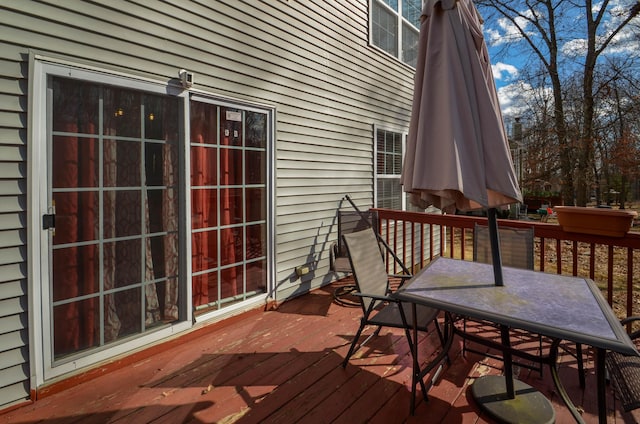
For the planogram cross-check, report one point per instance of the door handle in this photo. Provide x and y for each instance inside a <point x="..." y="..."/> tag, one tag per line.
<point x="48" y="221"/>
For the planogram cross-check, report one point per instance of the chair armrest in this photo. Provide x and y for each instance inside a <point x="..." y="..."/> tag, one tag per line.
<point x="375" y="297"/>
<point x="403" y="277"/>
<point x="628" y="320"/>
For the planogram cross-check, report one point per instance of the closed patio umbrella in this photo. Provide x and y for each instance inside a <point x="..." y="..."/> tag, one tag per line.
<point x="457" y="152"/>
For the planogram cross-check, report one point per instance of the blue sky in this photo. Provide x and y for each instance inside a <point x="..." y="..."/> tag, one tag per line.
<point x="509" y="54"/>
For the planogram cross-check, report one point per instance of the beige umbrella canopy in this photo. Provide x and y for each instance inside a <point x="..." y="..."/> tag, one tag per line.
<point x="457" y="151"/>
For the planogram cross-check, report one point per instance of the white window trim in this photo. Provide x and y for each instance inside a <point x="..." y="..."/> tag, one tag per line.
<point x="377" y="128"/>
<point x="400" y="20"/>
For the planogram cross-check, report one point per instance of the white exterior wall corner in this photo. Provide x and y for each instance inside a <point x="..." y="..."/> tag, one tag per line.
<point x="309" y="59"/>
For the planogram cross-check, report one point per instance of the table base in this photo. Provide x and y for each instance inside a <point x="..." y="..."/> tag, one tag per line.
<point x="528" y="407"/>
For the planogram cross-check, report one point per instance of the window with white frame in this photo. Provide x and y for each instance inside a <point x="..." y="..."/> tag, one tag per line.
<point x="389" y="152"/>
<point x="388" y="169"/>
<point x="394" y="28"/>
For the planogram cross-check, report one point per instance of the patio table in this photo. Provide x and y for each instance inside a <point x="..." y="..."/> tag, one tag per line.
<point x="557" y="306"/>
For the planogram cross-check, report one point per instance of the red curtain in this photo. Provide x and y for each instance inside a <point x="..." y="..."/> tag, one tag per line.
<point x="204" y="124"/>
<point x="205" y="203"/>
<point x="75" y="269"/>
<point x="75" y="182"/>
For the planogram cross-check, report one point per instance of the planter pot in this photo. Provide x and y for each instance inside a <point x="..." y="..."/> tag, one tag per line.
<point x="602" y="222"/>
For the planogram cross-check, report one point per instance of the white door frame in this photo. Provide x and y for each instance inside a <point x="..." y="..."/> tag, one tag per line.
<point x="38" y="179"/>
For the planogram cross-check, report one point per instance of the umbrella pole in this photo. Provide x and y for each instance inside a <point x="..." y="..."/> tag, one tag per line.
<point x="506" y="399"/>
<point x="492" y="216"/>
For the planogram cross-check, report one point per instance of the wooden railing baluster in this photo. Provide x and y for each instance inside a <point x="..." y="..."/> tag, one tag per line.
<point x="448" y="235"/>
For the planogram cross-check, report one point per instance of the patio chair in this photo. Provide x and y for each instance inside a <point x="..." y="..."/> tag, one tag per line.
<point x="517" y="251"/>
<point x="624" y="371"/>
<point x="348" y="222"/>
<point x="516" y="246"/>
<point x="372" y="284"/>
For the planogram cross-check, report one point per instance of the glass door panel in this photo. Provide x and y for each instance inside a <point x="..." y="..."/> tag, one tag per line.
<point x="114" y="190"/>
<point x="229" y="204"/>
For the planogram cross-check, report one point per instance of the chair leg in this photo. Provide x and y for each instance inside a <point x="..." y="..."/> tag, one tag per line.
<point x="580" y="361"/>
<point x="352" y="348"/>
<point x="581" y="377"/>
<point x="464" y="339"/>
<point x="423" y="387"/>
<point x="443" y="341"/>
<point x="541" y="369"/>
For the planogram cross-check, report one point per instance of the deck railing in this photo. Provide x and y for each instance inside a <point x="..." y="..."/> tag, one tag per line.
<point x="612" y="262"/>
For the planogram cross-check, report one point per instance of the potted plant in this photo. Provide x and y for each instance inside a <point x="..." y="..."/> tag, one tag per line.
<point x="598" y="221"/>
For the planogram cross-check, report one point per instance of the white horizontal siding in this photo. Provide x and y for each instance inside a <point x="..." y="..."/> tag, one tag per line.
<point x="14" y="353"/>
<point x="16" y="374"/>
<point x="13" y="136"/>
<point x="9" y="289"/>
<point x="11" y="357"/>
<point x="310" y="59"/>
<point x="12" y="154"/>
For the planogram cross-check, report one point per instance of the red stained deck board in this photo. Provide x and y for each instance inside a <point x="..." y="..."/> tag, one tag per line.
<point x="315" y="394"/>
<point x="396" y="406"/>
<point x="340" y="399"/>
<point x="285" y="365"/>
<point x="288" y="391"/>
<point x="366" y="406"/>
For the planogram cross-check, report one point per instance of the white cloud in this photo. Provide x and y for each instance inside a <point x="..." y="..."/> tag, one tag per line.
<point x="504" y="71"/>
<point x="574" y="48"/>
<point x="506" y="31"/>
<point x="520" y="99"/>
<point x="513" y="99"/>
<point x="624" y="43"/>
<point x="492" y="36"/>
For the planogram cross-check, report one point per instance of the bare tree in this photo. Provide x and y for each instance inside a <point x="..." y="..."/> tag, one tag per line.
<point x="617" y="127"/>
<point x="566" y="37"/>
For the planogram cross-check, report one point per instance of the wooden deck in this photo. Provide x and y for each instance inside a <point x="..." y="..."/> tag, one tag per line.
<point x="283" y="366"/>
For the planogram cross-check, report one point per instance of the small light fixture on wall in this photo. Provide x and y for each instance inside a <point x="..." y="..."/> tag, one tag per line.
<point x="186" y="78"/>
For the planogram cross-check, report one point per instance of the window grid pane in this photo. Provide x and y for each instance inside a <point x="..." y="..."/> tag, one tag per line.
<point x="114" y="159"/>
<point x="389" y="193"/>
<point x="385" y="29"/>
<point x="228" y="204"/>
<point x="396" y="31"/>
<point x="389" y="167"/>
<point x="410" y="39"/>
<point x="411" y="11"/>
<point x="389" y="156"/>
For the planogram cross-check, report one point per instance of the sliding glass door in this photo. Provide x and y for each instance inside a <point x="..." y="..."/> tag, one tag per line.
<point x="228" y="204"/>
<point x="154" y="206"/>
<point x="114" y="213"/>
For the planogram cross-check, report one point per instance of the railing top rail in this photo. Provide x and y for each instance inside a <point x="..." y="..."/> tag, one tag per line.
<point x="542" y="230"/>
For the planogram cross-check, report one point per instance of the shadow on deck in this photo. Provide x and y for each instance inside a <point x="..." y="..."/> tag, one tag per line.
<point x="283" y="366"/>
